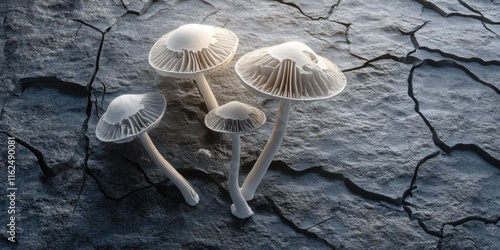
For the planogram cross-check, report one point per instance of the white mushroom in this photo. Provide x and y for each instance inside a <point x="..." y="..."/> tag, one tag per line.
<point x="192" y="50"/>
<point x="289" y="71"/>
<point x="131" y="116"/>
<point x="235" y="118"/>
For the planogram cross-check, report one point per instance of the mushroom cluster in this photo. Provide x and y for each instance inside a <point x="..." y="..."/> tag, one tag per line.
<point x="290" y="72"/>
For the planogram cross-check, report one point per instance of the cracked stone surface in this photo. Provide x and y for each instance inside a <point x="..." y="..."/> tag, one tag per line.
<point x="407" y="156"/>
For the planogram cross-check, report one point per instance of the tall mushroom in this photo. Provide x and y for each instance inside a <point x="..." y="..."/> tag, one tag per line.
<point x="192" y="50"/>
<point x="235" y="118"/>
<point x="289" y="71"/>
<point x="131" y="116"/>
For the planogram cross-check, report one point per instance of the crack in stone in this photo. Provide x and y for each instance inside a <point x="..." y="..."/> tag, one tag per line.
<point x="84" y="139"/>
<point x="351" y="186"/>
<point x="330" y="11"/>
<point x="408" y="192"/>
<point x="143" y="10"/>
<point x="481" y="14"/>
<point x="347" y="40"/>
<point x="386" y="56"/>
<point x="47" y="171"/>
<point x="105" y="193"/>
<point x="211" y="14"/>
<point x="170" y="191"/>
<point x="421" y="223"/>
<point x="65" y="87"/>
<point x="319" y="170"/>
<point x="437" y="141"/>
<point x="492" y="220"/>
<point x="416" y="63"/>
<point x="453" y="64"/>
<point x="459" y="58"/>
<point x="413" y="38"/>
<point x="294" y="226"/>
<point x="443" y="13"/>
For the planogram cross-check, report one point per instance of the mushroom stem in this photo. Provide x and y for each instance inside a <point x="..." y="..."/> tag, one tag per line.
<point x="187" y="191"/>
<point x="205" y="91"/>
<point x="273" y="144"/>
<point x="240" y="207"/>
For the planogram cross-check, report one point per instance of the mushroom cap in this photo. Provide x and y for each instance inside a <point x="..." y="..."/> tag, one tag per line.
<point x="129" y="115"/>
<point x="192" y="49"/>
<point x="290" y="71"/>
<point x="235" y="118"/>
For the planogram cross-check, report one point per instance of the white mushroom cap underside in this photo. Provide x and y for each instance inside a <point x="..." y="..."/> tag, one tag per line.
<point x="235" y="117"/>
<point x="130" y="115"/>
<point x="192" y="49"/>
<point x="290" y="71"/>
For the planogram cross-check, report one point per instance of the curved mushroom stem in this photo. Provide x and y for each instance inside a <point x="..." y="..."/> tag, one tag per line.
<point x="187" y="191"/>
<point x="273" y="144"/>
<point x="206" y="92"/>
<point x="240" y="207"/>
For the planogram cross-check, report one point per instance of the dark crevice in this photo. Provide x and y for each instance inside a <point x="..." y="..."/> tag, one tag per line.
<point x="168" y="190"/>
<point x="437" y="141"/>
<point x="433" y="7"/>
<point x="492" y="220"/>
<point x="443" y="13"/>
<point x="209" y="15"/>
<point x="129" y="11"/>
<point x="477" y="12"/>
<point x="46" y="170"/>
<point x="461" y="59"/>
<point x="320" y="222"/>
<point x="294" y="226"/>
<point x="411" y="94"/>
<point x="64" y="87"/>
<point x="368" y="63"/>
<point x="421" y="223"/>
<point x="330" y="11"/>
<point x="417" y="46"/>
<point x="84" y="142"/>
<point x="164" y="187"/>
<point x="143" y="10"/>
<point x="413" y="38"/>
<point x="429" y="231"/>
<point x="446" y="63"/>
<point x="408" y="59"/>
<point x="347" y="27"/>
<point x="105" y="193"/>
<point x="478" y="150"/>
<point x="347" y="40"/>
<point x="408" y="192"/>
<point x="453" y="64"/>
<point x="351" y="185"/>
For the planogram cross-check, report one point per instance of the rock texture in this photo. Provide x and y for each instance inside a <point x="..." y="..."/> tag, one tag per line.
<point x="407" y="156"/>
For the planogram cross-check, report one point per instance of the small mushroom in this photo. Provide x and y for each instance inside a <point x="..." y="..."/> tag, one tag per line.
<point x="192" y="50"/>
<point x="131" y="116"/>
<point x="289" y="71"/>
<point x="235" y="118"/>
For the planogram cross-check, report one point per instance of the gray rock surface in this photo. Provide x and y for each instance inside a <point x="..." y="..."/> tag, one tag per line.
<point x="407" y="157"/>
